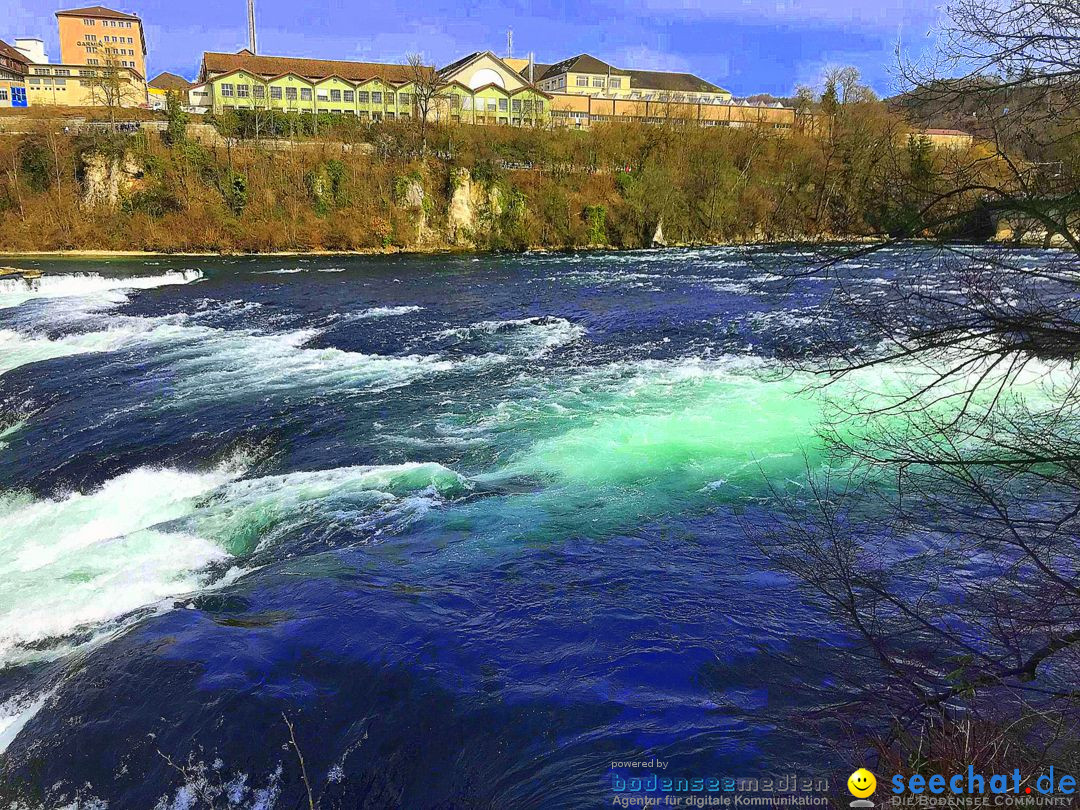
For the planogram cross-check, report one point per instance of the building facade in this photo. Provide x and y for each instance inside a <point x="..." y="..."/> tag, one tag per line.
<point x="159" y="87"/>
<point x="74" y="85"/>
<point x="245" y="81"/>
<point x="582" y="112"/>
<point x="368" y="90"/>
<point x="588" y="76"/>
<point x="33" y="49"/>
<point x="481" y="88"/>
<point x="13" y="69"/>
<point x="99" y="36"/>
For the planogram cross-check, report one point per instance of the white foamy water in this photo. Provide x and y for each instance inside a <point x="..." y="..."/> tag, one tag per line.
<point x="19" y="350"/>
<point x="8" y="432"/>
<point x="65" y="285"/>
<point x="215" y="363"/>
<point x="382" y="312"/>
<point x="82" y="560"/>
<point x="224" y="363"/>
<point x="72" y="568"/>
<point x="529" y="337"/>
<point x="16" y="713"/>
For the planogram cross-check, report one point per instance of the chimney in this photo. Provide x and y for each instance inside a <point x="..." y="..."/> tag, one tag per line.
<point x="531" y="60"/>
<point x="251" y="26"/>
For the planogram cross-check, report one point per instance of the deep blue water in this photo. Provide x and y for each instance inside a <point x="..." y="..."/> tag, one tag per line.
<point x="476" y="526"/>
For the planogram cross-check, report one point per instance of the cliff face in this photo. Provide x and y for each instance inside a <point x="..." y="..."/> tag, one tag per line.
<point x="473" y="212"/>
<point x="106" y="178"/>
<point x="484" y="189"/>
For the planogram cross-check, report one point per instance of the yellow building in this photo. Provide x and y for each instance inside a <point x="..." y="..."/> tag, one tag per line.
<point x="99" y="36"/>
<point x="586" y="75"/>
<point x="244" y="80"/>
<point x="159" y="87"/>
<point x="73" y="85"/>
<point x="583" y="111"/>
<point x="948" y="138"/>
<point x="368" y="90"/>
<point x="482" y="88"/>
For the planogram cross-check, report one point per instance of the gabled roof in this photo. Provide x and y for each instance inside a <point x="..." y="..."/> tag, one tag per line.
<point x="169" y="81"/>
<point x="465" y="61"/>
<point x="99" y="12"/>
<point x="215" y="63"/>
<point x="308" y="80"/>
<point x="639" y="79"/>
<point x="671" y="82"/>
<point x="11" y="53"/>
<point x="511" y="93"/>
<point x="582" y="63"/>
<point x="454" y="67"/>
<point x="538" y="71"/>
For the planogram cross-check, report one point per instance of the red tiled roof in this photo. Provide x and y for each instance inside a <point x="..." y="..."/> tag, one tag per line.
<point x="169" y="81"/>
<point x="96" y="11"/>
<point x="11" y="53"/>
<point x="216" y="63"/>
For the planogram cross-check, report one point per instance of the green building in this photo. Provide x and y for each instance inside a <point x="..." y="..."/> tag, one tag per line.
<point x="369" y="90"/>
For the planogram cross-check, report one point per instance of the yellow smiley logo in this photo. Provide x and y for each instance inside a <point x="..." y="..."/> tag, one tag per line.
<point x="861" y="783"/>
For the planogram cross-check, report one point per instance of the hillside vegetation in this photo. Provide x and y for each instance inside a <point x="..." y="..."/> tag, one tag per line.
<point x="380" y="188"/>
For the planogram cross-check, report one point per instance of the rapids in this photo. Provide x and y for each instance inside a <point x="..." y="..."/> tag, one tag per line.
<point x="473" y="523"/>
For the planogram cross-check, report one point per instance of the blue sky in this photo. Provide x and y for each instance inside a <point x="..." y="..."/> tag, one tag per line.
<point x="747" y="46"/>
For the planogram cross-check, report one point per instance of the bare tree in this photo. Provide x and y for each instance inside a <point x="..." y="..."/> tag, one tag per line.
<point x="1018" y="89"/>
<point x="943" y="531"/>
<point x="427" y="87"/>
<point x="113" y="88"/>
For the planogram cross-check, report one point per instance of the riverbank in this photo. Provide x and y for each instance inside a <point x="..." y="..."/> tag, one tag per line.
<point x="1023" y="242"/>
<point x="614" y="187"/>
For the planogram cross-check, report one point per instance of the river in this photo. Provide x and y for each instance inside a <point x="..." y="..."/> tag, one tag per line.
<point x="474" y="525"/>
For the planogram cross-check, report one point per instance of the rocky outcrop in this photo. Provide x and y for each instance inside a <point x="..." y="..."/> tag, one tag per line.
<point x="412" y="197"/>
<point x="473" y="209"/>
<point x="658" y="240"/>
<point x="460" y="217"/>
<point x="1026" y="230"/>
<point x="106" y="178"/>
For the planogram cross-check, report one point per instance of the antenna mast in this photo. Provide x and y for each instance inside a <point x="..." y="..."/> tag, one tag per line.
<point x="251" y="25"/>
<point x="509" y="43"/>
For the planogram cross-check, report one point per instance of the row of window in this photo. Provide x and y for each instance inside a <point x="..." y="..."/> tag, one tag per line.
<point x="361" y="114"/>
<point x="376" y="116"/>
<point x="582" y="117"/>
<point x="613" y="82"/>
<point x="502" y="119"/>
<point x="228" y="90"/>
<point x="107" y="23"/>
<point x="501" y="105"/>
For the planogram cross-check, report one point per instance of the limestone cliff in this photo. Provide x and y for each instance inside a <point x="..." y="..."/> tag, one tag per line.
<point x="106" y="178"/>
<point x="474" y="210"/>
